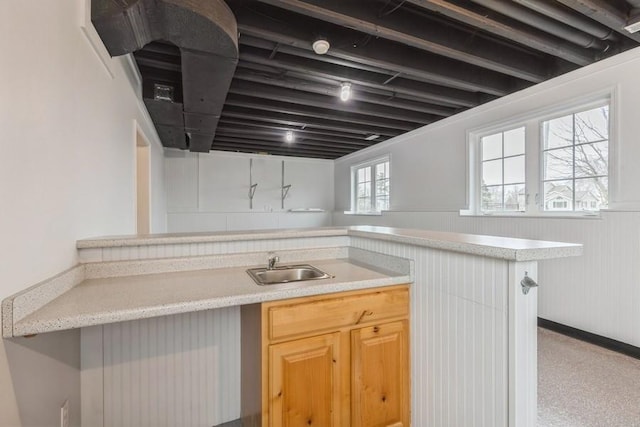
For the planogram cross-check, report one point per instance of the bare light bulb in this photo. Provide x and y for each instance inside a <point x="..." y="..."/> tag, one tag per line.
<point x="288" y="136"/>
<point x="345" y="91"/>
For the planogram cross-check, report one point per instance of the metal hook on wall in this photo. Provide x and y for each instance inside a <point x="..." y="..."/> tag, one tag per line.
<point x="285" y="188"/>
<point x="252" y="186"/>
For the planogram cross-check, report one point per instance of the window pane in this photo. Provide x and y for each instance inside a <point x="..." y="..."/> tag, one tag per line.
<point x="514" y="142"/>
<point x="514" y="198"/>
<point x="492" y="146"/>
<point x="361" y="175"/>
<point x="514" y="170"/>
<point x="492" y="172"/>
<point x="592" y="193"/>
<point x="592" y="125"/>
<point x="382" y="187"/>
<point x="367" y="174"/>
<point x="558" y="132"/>
<point x="558" y="196"/>
<point x="364" y="205"/>
<point x="558" y="164"/>
<point x="491" y="198"/>
<point x="592" y="159"/>
<point x="382" y="203"/>
<point x="364" y="190"/>
<point x="382" y="170"/>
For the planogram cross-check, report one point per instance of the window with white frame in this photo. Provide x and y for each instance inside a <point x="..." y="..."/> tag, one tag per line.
<point x="503" y="174"/>
<point x="560" y="160"/>
<point x="371" y="186"/>
<point x="575" y="150"/>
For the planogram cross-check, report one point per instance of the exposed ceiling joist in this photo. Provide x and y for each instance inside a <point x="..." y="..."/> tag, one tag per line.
<point x="299" y="145"/>
<point x="239" y="147"/>
<point x="527" y="16"/>
<point x="563" y="15"/>
<point x="315" y="133"/>
<point x="313" y="112"/>
<point x="303" y="122"/>
<point x="408" y="63"/>
<point x="385" y="54"/>
<point x="331" y="90"/>
<point x="330" y="102"/>
<point x="533" y="38"/>
<point x="605" y="13"/>
<point x="432" y="36"/>
<point x="417" y="90"/>
<point x="277" y="136"/>
<point x="261" y="143"/>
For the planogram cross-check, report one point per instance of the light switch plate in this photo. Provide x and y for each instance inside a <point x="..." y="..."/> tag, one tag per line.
<point x="64" y="414"/>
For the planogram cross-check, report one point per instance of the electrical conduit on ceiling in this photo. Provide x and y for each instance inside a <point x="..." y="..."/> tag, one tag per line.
<point x="543" y="23"/>
<point x="561" y="14"/>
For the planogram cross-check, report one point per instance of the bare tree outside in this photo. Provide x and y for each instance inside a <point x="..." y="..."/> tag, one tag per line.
<point x="576" y="161"/>
<point x="372" y="187"/>
<point x="382" y="186"/>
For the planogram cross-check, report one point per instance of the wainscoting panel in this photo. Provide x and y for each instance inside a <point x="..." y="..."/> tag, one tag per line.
<point x="181" y="370"/>
<point x="203" y="249"/>
<point x="597" y="292"/>
<point x="459" y="336"/>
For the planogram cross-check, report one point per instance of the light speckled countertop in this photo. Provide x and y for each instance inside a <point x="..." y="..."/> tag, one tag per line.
<point x="105" y="292"/>
<point x="489" y="246"/>
<point x="116" y="299"/>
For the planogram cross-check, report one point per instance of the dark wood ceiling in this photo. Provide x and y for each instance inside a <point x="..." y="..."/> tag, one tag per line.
<point x="410" y="63"/>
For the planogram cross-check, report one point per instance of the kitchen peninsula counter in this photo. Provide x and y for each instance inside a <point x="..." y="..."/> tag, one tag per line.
<point x="473" y="300"/>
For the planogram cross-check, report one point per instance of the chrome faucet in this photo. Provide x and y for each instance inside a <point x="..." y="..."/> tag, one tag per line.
<point x="273" y="259"/>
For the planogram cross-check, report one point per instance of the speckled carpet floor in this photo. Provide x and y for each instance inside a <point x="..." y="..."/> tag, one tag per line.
<point x="583" y="385"/>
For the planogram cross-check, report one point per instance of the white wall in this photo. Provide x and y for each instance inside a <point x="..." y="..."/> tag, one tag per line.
<point x="67" y="142"/>
<point x="597" y="292"/>
<point x="210" y="192"/>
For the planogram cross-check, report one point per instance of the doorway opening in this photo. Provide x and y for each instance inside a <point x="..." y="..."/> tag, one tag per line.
<point x="143" y="196"/>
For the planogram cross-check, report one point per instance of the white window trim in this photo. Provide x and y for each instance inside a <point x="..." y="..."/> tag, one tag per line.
<point x="352" y="172"/>
<point x="478" y="173"/>
<point x="533" y="156"/>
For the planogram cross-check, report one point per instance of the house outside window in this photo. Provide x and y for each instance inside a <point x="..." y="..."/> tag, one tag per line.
<point x="371" y="190"/>
<point x="576" y="160"/>
<point x="546" y="164"/>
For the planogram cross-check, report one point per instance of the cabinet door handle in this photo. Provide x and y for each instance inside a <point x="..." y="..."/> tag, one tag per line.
<point x="364" y="313"/>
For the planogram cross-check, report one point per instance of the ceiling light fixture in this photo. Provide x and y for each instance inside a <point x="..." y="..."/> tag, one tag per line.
<point x="288" y="136"/>
<point x="345" y="91"/>
<point x="321" y="46"/>
<point x="372" y="137"/>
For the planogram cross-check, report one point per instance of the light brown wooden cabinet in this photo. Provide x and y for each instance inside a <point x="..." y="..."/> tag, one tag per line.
<point x="335" y="360"/>
<point x="380" y="375"/>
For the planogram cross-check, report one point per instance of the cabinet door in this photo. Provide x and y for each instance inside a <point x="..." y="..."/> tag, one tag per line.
<point x="380" y="376"/>
<point x="304" y="382"/>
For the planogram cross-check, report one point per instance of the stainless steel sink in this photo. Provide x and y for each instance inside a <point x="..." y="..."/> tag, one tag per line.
<point x="286" y="274"/>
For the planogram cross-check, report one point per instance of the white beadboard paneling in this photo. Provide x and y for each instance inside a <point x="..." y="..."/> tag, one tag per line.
<point x="91" y="377"/>
<point x="459" y="336"/>
<point x="523" y="347"/>
<point x="184" y="369"/>
<point x="178" y="370"/>
<point x="219" y="248"/>
<point x="596" y="292"/>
